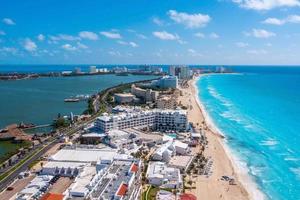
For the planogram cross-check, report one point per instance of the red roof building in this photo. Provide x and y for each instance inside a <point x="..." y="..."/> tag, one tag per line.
<point x="134" y="168"/>
<point x="186" y="196"/>
<point x="122" y="190"/>
<point x="52" y="196"/>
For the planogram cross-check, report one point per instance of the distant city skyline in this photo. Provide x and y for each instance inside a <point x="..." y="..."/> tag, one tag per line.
<point x="229" y="32"/>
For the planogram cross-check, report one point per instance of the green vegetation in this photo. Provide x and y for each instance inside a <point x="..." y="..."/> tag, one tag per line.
<point x="61" y="122"/>
<point x="150" y="193"/>
<point x="33" y="164"/>
<point x="154" y="88"/>
<point x="90" y="109"/>
<point x="12" y="148"/>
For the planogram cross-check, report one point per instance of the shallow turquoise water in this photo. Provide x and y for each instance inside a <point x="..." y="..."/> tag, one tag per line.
<point x="259" y="113"/>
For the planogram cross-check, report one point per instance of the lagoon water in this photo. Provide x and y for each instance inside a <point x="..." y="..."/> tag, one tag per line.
<point x="39" y="100"/>
<point x="258" y="111"/>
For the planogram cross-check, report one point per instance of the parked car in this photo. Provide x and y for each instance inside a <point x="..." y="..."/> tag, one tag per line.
<point x="10" y="188"/>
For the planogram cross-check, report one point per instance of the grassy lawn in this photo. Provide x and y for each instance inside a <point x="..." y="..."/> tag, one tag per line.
<point x="150" y="194"/>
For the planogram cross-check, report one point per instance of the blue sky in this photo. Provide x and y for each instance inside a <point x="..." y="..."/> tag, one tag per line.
<point x="229" y="32"/>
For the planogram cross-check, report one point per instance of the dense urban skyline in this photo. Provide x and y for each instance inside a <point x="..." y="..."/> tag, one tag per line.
<point x="160" y="32"/>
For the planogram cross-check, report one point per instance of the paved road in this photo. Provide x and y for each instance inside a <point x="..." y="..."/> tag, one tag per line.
<point x="9" y="179"/>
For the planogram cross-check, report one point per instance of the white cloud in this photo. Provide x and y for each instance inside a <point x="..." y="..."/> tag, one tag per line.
<point x="131" y="31"/>
<point x="182" y="41"/>
<point x="274" y="21"/>
<point x="111" y="35"/>
<point x="199" y="35"/>
<point x="133" y="44"/>
<point x="2" y="32"/>
<point x="164" y="35"/>
<point x="191" y="51"/>
<point x="64" y="37"/>
<point x="142" y="36"/>
<point x="29" y="45"/>
<point x="290" y="19"/>
<point x="241" y="44"/>
<point x="41" y="37"/>
<point x="8" y="21"/>
<point x="68" y="47"/>
<point x="114" y="53"/>
<point x="214" y="36"/>
<point x="293" y="19"/>
<point x="11" y="50"/>
<point x="257" y="52"/>
<point x="122" y="42"/>
<point x="158" y="21"/>
<point x="266" y="4"/>
<point x="88" y="35"/>
<point x="189" y="20"/>
<point x="81" y="46"/>
<point x="261" y="33"/>
<point x="194" y="53"/>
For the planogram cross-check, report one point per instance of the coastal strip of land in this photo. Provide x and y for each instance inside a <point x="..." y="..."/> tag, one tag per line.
<point x="98" y="103"/>
<point x="213" y="187"/>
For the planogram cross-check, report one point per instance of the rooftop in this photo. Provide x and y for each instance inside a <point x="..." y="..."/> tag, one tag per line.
<point x="84" y="154"/>
<point x="160" y="169"/>
<point x="93" y="135"/>
<point x="180" y="161"/>
<point x="52" y="196"/>
<point x="81" y="186"/>
<point x="124" y="94"/>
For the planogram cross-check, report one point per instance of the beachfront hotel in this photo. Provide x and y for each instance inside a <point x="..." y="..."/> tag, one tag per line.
<point x="157" y="119"/>
<point x="182" y="72"/>
<point x="166" y="82"/>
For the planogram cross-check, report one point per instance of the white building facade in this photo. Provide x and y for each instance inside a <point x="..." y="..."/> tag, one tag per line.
<point x="162" y="120"/>
<point x="159" y="174"/>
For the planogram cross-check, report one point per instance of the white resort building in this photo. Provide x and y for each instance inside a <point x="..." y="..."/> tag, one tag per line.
<point x="171" y="148"/>
<point x="159" y="174"/>
<point x="166" y="82"/>
<point x="148" y="95"/>
<point x="161" y="120"/>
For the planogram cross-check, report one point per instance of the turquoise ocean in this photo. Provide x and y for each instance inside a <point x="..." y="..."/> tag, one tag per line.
<point x="258" y="111"/>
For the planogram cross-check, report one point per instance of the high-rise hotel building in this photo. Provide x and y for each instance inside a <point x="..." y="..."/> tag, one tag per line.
<point x="157" y="119"/>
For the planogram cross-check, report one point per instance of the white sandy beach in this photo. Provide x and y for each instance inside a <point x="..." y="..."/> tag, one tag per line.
<point x="224" y="162"/>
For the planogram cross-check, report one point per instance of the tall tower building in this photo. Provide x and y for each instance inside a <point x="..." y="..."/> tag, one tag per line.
<point x="172" y="70"/>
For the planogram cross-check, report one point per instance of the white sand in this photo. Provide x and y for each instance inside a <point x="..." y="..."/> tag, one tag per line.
<point x="224" y="162"/>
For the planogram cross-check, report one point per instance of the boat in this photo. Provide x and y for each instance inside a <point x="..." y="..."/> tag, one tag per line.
<point x="72" y="100"/>
<point x="79" y="97"/>
<point x="82" y="97"/>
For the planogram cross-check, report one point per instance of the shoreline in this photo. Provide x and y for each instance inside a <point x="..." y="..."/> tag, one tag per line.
<point x="31" y="75"/>
<point x="240" y="170"/>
